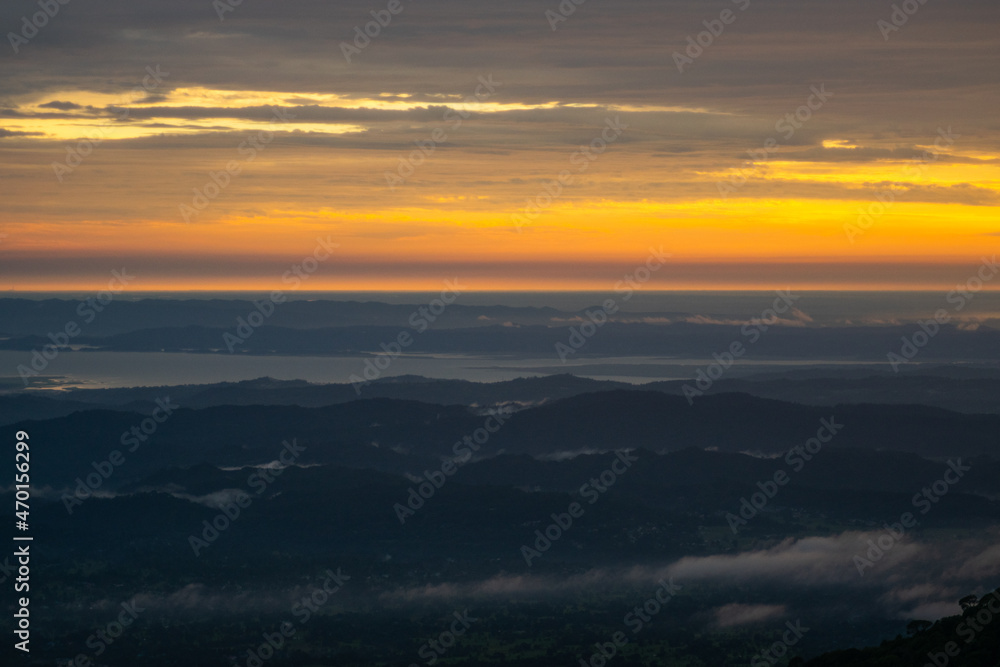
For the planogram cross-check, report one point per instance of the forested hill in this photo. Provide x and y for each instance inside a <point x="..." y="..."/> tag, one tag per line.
<point x="969" y="640"/>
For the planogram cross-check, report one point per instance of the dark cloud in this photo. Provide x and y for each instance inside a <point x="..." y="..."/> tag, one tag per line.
<point x="62" y="106"/>
<point x="14" y="133"/>
<point x="860" y="154"/>
<point x="937" y="69"/>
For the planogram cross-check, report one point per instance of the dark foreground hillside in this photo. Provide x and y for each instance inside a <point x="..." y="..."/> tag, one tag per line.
<point x="621" y="528"/>
<point x="969" y="640"/>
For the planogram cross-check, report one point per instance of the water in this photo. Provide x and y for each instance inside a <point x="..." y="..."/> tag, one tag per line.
<point x="124" y="369"/>
<point x="825" y="307"/>
<point x="134" y="369"/>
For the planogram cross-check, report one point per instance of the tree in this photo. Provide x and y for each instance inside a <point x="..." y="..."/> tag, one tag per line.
<point x="915" y="627"/>
<point x="968" y="602"/>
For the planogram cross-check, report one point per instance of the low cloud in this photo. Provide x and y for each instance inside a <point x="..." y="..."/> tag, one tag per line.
<point x="811" y="561"/>
<point x="744" y="614"/>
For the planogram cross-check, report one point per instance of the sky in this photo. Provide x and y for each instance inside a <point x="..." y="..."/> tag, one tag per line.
<point x="516" y="145"/>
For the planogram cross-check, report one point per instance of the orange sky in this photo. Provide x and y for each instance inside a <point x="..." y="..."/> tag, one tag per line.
<point x="669" y="167"/>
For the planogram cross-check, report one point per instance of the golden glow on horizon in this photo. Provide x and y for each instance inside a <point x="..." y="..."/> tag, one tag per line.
<point x="598" y="231"/>
<point x="883" y="172"/>
<point x="428" y="285"/>
<point x="459" y="208"/>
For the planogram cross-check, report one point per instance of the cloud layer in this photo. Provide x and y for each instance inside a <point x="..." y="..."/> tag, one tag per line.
<point x="141" y="103"/>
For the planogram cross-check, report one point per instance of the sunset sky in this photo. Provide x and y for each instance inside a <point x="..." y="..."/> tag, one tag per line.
<point x="339" y="127"/>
